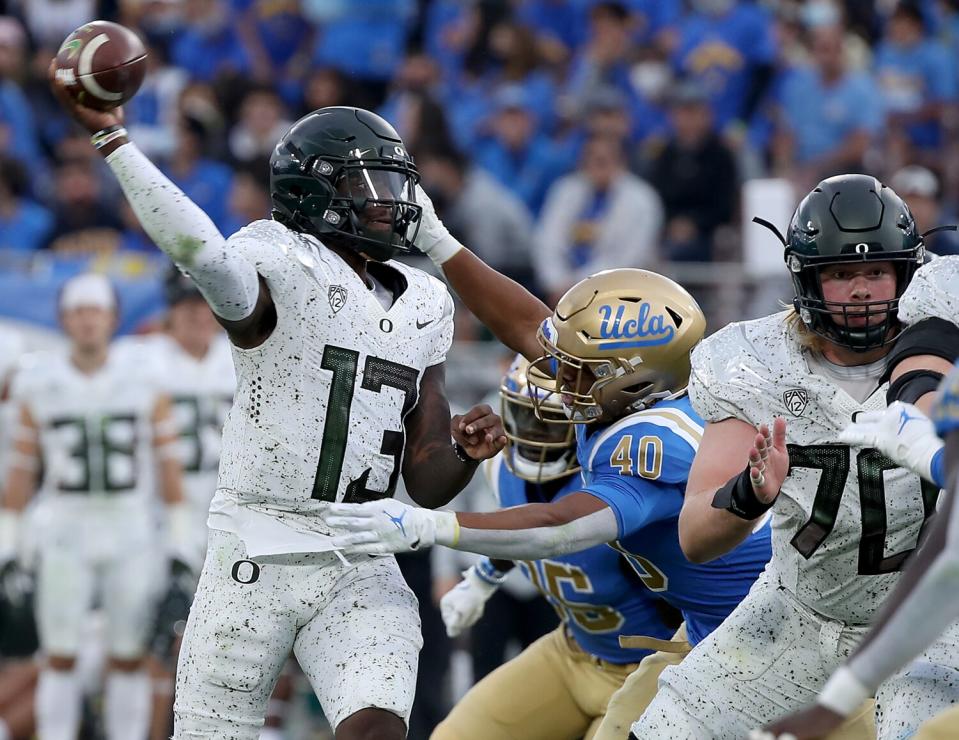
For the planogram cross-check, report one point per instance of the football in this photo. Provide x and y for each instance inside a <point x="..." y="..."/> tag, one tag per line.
<point x="101" y="64"/>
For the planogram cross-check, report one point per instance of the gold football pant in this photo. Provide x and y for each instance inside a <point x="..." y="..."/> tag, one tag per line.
<point x="639" y="688"/>
<point x="551" y="691"/>
<point x="944" y="726"/>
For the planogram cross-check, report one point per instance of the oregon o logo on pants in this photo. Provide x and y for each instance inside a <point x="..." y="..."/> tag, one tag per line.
<point x="243" y="575"/>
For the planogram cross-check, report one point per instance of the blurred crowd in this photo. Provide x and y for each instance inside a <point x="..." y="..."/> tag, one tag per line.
<point x="557" y="137"/>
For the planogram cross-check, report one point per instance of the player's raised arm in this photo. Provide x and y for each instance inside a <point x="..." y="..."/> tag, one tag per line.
<point x="510" y="311"/>
<point x="728" y="492"/>
<point x="435" y="468"/>
<point x="179" y="227"/>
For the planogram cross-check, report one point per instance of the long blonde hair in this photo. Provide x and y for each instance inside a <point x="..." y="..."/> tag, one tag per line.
<point x="807" y="338"/>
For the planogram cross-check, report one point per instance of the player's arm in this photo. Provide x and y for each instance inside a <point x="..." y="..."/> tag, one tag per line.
<point x="463" y="605"/>
<point x="22" y="480"/>
<point x="433" y="471"/>
<point x="228" y="281"/>
<point x="924" y="602"/>
<point x="723" y="499"/>
<point x="922" y="356"/>
<point x="170" y="479"/>
<point x="529" y="532"/>
<point x="510" y="311"/>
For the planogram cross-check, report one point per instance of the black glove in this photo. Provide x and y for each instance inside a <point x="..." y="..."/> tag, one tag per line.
<point x="172" y="609"/>
<point x="18" y="626"/>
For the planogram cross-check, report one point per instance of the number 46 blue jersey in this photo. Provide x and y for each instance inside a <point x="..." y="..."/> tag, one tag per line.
<point x="594" y="592"/>
<point x="639" y="466"/>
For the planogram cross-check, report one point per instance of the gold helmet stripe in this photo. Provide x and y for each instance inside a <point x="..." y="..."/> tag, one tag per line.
<point x="677" y="422"/>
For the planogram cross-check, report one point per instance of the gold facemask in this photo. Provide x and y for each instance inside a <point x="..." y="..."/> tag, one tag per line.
<point x="535" y="451"/>
<point x="617" y="342"/>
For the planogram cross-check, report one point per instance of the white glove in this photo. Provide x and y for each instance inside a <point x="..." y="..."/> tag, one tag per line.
<point x="901" y="432"/>
<point x="387" y="526"/>
<point x="463" y="605"/>
<point x="432" y="238"/>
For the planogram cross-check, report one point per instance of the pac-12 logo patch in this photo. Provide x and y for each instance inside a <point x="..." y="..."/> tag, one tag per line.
<point x="337" y="296"/>
<point x="796" y="400"/>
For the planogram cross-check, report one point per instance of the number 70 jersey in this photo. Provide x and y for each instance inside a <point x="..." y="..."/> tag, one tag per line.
<point x="320" y="406"/>
<point x="846" y="517"/>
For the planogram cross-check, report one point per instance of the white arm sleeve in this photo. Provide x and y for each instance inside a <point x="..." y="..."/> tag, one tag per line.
<point x="541" y="542"/>
<point x="228" y="281"/>
<point x="932" y="606"/>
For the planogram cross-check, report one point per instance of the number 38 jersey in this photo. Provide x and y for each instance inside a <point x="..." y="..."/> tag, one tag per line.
<point x="320" y="406"/>
<point x="96" y="430"/>
<point x="200" y="393"/>
<point x="846" y="517"/>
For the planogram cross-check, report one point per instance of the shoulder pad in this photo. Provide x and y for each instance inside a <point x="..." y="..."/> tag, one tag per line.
<point x="932" y="292"/>
<point x="742" y="362"/>
<point x="654" y="444"/>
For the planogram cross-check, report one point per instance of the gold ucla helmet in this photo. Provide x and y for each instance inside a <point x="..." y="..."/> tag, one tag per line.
<point x="536" y="450"/>
<point x="617" y="342"/>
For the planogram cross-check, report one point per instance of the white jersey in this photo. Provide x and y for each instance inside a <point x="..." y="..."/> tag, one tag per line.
<point x="846" y="517"/>
<point x="932" y="292"/>
<point x="96" y="430"/>
<point x="320" y="405"/>
<point x="201" y="393"/>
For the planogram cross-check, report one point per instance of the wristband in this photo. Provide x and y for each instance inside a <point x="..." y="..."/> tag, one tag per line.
<point x="10" y="528"/>
<point x="738" y="497"/>
<point x="444" y="250"/>
<point x="462" y="455"/>
<point x="843" y="692"/>
<point x="103" y="137"/>
<point x="487" y="572"/>
<point x="447" y="530"/>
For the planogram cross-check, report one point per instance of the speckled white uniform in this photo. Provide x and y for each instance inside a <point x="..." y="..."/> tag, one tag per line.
<point x="338" y="374"/>
<point x="97" y="533"/>
<point x="201" y="393"/>
<point x="843" y="523"/>
<point x="932" y="292"/>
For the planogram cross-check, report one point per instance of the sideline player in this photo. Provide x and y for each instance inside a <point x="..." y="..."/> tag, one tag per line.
<point x="924" y="603"/>
<point x="102" y="429"/>
<point x="618" y="343"/>
<point x="844" y="517"/>
<point x="560" y="685"/>
<point x="339" y="354"/>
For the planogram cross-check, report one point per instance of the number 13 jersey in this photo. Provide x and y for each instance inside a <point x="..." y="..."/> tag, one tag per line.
<point x="846" y="516"/>
<point x="320" y="405"/>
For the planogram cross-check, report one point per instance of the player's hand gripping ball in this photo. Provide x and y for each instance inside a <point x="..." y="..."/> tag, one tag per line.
<point x="101" y="65"/>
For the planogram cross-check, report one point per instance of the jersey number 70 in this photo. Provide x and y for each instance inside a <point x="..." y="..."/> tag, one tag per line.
<point x="833" y="462"/>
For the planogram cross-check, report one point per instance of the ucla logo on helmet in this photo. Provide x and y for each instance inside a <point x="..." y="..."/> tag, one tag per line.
<point x="644" y="329"/>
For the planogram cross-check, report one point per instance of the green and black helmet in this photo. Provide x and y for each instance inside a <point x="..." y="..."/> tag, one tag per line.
<point x="344" y="174"/>
<point x="851" y="218"/>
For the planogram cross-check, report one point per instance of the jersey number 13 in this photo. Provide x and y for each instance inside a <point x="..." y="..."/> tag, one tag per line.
<point x="377" y="373"/>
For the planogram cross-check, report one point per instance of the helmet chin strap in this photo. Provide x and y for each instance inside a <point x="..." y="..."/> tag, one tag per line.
<point x="536" y="471"/>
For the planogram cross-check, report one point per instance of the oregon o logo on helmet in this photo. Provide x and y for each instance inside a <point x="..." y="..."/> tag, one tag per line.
<point x="249" y="575"/>
<point x="862" y="248"/>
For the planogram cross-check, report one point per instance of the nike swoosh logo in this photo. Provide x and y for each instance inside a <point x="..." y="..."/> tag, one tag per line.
<point x="425" y="323"/>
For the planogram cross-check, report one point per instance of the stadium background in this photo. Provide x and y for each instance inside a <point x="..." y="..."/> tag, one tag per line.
<point x="556" y="137"/>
